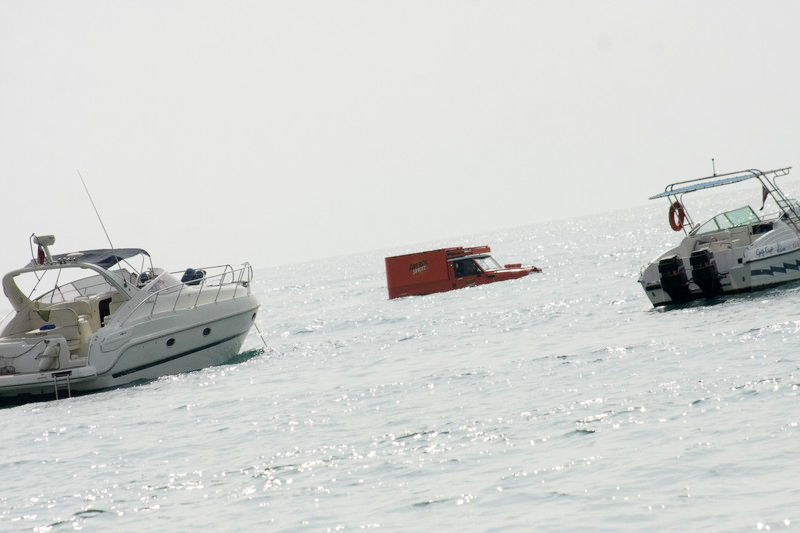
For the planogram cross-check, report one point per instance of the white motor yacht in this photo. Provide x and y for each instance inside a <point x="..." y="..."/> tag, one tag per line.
<point x="92" y="320"/>
<point x="735" y="251"/>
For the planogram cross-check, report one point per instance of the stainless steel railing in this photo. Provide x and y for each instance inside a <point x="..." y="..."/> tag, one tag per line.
<point x="239" y="278"/>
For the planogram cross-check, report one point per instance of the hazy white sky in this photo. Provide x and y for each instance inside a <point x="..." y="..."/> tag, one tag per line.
<point x="275" y="132"/>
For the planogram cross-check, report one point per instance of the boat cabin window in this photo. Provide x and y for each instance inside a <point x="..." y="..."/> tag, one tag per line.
<point x="466" y="267"/>
<point x="488" y="263"/>
<point x="744" y="216"/>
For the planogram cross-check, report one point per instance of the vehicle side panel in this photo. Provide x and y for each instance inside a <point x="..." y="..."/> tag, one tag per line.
<point x="418" y="273"/>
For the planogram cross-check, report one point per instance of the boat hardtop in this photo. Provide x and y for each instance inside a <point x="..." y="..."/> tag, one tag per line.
<point x="734" y="251"/>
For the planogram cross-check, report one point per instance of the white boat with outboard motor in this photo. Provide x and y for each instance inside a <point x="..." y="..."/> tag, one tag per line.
<point x="104" y="322"/>
<point x="734" y="251"/>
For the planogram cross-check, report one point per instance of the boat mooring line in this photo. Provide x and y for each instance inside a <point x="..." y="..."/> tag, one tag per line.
<point x="261" y="335"/>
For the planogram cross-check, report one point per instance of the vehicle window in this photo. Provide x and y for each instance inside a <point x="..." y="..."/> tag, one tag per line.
<point x="488" y="263"/>
<point x="465" y="267"/>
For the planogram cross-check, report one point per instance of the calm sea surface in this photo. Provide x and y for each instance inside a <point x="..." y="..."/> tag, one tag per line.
<point x="560" y="401"/>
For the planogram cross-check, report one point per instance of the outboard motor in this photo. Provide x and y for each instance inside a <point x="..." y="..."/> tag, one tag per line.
<point x="674" y="280"/>
<point x="704" y="272"/>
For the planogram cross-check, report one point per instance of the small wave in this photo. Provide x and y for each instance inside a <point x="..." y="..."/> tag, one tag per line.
<point x="429" y="502"/>
<point x="581" y="431"/>
<point x="88" y="513"/>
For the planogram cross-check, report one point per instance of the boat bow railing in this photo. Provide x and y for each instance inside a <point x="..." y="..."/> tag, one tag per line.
<point x="194" y="293"/>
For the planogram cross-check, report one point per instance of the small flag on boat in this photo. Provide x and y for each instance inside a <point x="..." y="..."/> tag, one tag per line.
<point x="764" y="194"/>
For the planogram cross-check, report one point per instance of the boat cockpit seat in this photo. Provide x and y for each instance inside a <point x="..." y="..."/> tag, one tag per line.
<point x="65" y="321"/>
<point x="81" y="307"/>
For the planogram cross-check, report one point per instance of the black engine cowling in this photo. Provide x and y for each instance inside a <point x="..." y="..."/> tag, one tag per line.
<point x="674" y="280"/>
<point x="704" y="272"/>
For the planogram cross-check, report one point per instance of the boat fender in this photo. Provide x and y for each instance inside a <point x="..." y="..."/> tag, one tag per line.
<point x="676" y="223"/>
<point x="49" y="355"/>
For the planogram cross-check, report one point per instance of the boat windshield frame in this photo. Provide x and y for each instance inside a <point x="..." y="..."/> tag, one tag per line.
<point x="728" y="220"/>
<point x="164" y="282"/>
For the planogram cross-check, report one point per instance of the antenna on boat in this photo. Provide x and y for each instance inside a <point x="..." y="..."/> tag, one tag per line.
<point x="713" y="167"/>
<point x="95" y="209"/>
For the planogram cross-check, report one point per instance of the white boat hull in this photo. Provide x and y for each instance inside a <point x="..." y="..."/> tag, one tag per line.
<point x="150" y="357"/>
<point x="141" y="357"/>
<point x="775" y="270"/>
<point x="743" y="268"/>
<point x="46" y="383"/>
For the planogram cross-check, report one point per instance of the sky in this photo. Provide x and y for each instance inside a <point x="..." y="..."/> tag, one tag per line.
<point x="275" y="132"/>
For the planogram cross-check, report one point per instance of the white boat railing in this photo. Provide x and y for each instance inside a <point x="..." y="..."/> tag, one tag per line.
<point x="238" y="278"/>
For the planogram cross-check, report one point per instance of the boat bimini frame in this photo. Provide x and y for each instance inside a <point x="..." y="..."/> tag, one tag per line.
<point x="674" y="193"/>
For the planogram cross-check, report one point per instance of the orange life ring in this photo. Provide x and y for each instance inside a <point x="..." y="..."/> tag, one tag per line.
<point x="676" y="224"/>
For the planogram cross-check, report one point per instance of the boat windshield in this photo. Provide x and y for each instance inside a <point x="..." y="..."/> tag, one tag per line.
<point x="744" y="216"/>
<point x="487" y="263"/>
<point x="164" y="282"/>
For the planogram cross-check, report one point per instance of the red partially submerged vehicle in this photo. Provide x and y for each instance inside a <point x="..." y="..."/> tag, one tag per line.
<point x="447" y="269"/>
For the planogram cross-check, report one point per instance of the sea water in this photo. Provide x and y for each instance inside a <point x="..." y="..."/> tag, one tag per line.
<point x="559" y="401"/>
